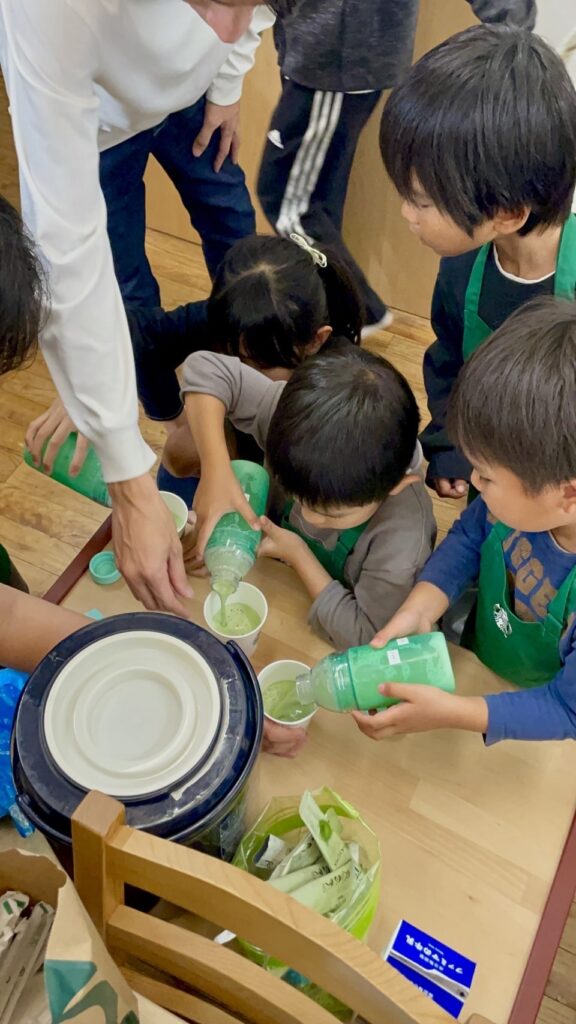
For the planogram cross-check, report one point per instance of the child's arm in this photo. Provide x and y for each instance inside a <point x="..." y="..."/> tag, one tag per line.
<point x="217" y="387"/>
<point x="448" y="471"/>
<point x="30" y="628"/>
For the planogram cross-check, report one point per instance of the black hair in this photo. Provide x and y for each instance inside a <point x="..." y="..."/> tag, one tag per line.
<point x="514" y="402"/>
<point x="23" y="294"/>
<point x="344" y="430"/>
<point x="269" y="298"/>
<point x="485" y="122"/>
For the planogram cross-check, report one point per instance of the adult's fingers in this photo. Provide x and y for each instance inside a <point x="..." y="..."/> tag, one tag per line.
<point x="202" y="140"/>
<point x="54" y="445"/>
<point x="79" y="457"/>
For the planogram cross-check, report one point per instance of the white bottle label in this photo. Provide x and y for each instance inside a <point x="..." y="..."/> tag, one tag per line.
<point x="402" y="641"/>
<point x="393" y="658"/>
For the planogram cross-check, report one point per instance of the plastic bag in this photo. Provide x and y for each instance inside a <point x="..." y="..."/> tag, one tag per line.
<point x="11" y="686"/>
<point x="281" y="818"/>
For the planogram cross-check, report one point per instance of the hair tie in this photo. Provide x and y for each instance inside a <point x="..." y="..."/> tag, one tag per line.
<point x="318" y="258"/>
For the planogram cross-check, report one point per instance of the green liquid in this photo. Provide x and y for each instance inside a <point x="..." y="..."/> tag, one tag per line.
<point x="281" y="702"/>
<point x="236" y="619"/>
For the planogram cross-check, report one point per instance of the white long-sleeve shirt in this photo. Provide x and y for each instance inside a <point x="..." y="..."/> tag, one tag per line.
<point x="84" y="75"/>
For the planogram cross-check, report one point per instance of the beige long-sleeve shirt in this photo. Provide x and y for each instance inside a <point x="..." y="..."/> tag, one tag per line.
<point x="386" y="560"/>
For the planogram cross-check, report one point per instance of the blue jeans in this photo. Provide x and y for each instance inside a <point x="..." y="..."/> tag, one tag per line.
<point x="219" y="205"/>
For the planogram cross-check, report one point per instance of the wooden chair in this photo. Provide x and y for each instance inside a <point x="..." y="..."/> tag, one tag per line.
<point x="208" y="983"/>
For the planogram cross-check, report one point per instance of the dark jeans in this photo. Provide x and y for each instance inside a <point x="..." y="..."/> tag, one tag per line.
<point x="306" y="166"/>
<point x="219" y="204"/>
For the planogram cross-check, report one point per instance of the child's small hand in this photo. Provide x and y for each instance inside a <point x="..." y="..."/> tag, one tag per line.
<point x="279" y="543"/>
<point x="448" y="487"/>
<point x="423" y="709"/>
<point x="406" y="622"/>
<point x="218" y="492"/>
<point x="281" y="740"/>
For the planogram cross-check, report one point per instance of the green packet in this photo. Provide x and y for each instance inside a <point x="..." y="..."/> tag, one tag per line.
<point x="305" y="853"/>
<point x="328" y="894"/>
<point x="322" y="828"/>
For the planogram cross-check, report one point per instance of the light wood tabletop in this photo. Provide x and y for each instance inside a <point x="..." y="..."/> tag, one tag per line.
<point x="471" y="836"/>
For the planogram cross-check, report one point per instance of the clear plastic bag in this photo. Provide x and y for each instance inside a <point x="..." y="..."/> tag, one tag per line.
<point x="281" y="818"/>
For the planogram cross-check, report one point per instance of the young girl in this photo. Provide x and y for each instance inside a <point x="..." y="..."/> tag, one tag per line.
<point x="274" y="302"/>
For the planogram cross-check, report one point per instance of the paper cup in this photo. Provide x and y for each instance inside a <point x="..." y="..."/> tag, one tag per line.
<point x="178" y="509"/>
<point x="274" y="673"/>
<point x="245" y="594"/>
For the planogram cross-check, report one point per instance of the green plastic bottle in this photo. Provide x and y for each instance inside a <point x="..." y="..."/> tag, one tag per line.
<point x="349" y="681"/>
<point x="231" y="550"/>
<point x="89" y="481"/>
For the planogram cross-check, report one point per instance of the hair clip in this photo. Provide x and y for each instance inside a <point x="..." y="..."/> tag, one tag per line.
<point x="318" y="258"/>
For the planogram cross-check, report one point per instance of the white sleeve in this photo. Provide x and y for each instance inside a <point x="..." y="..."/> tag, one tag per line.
<point x="49" y="57"/>
<point x="227" y="86"/>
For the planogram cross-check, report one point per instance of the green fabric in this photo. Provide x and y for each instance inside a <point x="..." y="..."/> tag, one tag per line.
<point x="332" y="561"/>
<point x="525" y="653"/>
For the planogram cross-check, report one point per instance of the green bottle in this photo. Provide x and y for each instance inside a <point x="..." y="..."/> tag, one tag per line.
<point x="231" y="550"/>
<point x="89" y="481"/>
<point x="349" y="681"/>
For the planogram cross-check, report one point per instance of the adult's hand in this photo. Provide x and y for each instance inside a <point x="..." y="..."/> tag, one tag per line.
<point x="54" y="426"/>
<point x="227" y="119"/>
<point x="147" y="547"/>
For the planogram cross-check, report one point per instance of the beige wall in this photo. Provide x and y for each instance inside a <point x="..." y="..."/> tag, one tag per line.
<point x="396" y="263"/>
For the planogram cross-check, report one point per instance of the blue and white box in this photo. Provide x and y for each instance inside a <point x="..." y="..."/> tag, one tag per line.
<point x="438" y="971"/>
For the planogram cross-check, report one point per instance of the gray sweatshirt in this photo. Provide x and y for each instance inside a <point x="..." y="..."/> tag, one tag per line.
<point x="356" y="45"/>
<point x="386" y="560"/>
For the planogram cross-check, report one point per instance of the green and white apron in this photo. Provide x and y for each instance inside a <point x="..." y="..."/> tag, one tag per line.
<point x="333" y="560"/>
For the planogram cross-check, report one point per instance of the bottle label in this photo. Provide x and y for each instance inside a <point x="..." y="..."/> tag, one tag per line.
<point x="393" y="658"/>
<point x="402" y="641"/>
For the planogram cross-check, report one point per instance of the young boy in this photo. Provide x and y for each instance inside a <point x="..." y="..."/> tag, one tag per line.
<point x="513" y="414"/>
<point x="341" y="445"/>
<point x="480" y="141"/>
<point x="29" y="627"/>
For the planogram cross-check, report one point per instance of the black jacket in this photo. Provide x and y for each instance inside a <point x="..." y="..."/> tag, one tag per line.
<point x="352" y="45"/>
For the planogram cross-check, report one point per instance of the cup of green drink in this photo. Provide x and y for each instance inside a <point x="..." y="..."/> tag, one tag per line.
<point x="177" y="508"/>
<point x="280" y="697"/>
<point x="240" y="617"/>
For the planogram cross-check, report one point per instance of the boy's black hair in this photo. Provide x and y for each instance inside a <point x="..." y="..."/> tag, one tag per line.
<point x="269" y="299"/>
<point x="344" y="430"/>
<point x="514" y="404"/>
<point x="485" y="122"/>
<point x="23" y="296"/>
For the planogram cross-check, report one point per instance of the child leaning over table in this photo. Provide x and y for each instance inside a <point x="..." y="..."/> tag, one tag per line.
<point x="352" y="515"/>
<point x="513" y="414"/>
<point x="479" y="139"/>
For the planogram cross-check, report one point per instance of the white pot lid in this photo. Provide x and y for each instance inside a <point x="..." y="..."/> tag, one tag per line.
<point x="132" y="713"/>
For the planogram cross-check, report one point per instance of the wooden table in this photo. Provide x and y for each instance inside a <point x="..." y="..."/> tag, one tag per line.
<point x="478" y="845"/>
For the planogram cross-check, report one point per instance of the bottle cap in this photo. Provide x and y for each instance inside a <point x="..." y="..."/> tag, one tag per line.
<point x="103" y="568"/>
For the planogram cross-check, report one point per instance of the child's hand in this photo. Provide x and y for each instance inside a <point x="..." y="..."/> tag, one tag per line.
<point x="279" y="543"/>
<point x="407" y="622"/>
<point x="423" y="709"/>
<point x="53" y="427"/>
<point x="281" y="740"/>
<point x="218" y="492"/>
<point x="450" y="487"/>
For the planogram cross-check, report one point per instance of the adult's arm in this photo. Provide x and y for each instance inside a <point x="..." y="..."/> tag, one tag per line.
<point x="512" y="12"/>
<point x="49" y="59"/>
<point x="227" y="86"/>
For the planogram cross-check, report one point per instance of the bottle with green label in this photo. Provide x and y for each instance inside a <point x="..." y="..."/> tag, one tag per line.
<point x="231" y="551"/>
<point x="349" y="681"/>
<point x="89" y="481"/>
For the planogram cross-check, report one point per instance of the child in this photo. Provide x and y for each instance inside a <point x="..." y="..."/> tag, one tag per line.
<point x="341" y="445"/>
<point x="30" y="627"/>
<point x="513" y="414"/>
<point x="480" y="141"/>
<point x="274" y="303"/>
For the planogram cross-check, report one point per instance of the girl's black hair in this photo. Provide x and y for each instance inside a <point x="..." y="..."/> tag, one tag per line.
<point x="23" y="293"/>
<point x="269" y="299"/>
<point x="345" y="429"/>
<point x="482" y="123"/>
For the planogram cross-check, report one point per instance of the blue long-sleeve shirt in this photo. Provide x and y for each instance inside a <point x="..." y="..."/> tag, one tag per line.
<point x="536" y="568"/>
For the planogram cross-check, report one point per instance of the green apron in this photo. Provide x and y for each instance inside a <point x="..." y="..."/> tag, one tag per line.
<point x="334" y="560"/>
<point x="525" y="653"/>
<point x="475" y="329"/>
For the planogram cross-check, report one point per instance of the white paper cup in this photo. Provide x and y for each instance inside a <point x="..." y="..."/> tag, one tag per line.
<point x="274" y="673"/>
<point x="178" y="509"/>
<point x="245" y="594"/>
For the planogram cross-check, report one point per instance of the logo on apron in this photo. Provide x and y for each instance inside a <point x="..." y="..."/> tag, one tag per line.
<point x="501" y="619"/>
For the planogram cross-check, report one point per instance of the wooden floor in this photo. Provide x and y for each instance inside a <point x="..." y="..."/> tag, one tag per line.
<point x="44" y="524"/>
